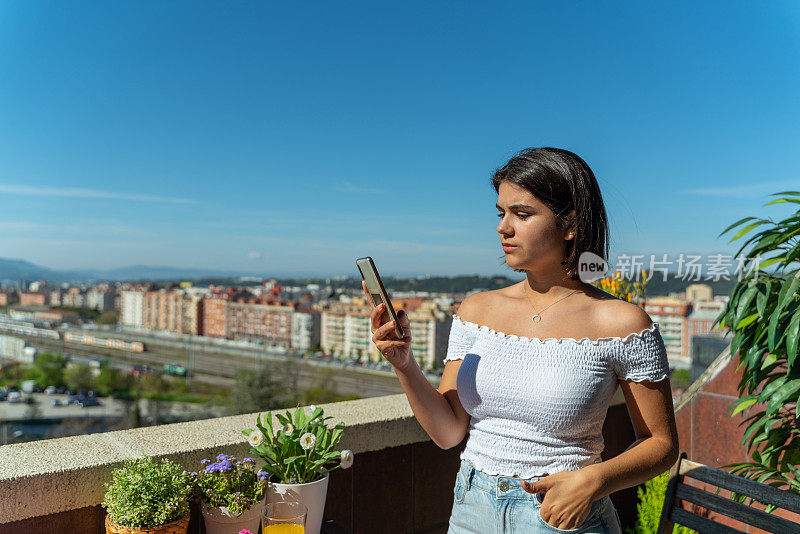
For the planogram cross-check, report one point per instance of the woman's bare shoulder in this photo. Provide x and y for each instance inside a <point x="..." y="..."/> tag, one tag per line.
<point x="475" y="307"/>
<point x="620" y="317"/>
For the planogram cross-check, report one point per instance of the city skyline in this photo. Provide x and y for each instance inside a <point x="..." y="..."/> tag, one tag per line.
<point x="278" y="140"/>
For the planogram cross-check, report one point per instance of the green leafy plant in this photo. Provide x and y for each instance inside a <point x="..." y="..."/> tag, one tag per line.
<point x="651" y="503"/>
<point x="229" y="482"/>
<point x="144" y="493"/>
<point x="302" y="450"/>
<point x="763" y="312"/>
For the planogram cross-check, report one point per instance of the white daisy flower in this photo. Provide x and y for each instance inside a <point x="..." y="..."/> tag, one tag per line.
<point x="288" y="429"/>
<point x="347" y="458"/>
<point x="308" y="440"/>
<point x="255" y="438"/>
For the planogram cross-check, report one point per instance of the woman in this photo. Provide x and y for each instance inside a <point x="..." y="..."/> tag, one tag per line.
<point x="531" y="368"/>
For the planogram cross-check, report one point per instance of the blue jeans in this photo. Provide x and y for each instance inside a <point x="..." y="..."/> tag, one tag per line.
<point x="488" y="504"/>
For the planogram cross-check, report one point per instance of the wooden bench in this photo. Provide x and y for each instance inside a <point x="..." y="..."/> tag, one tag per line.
<point x="677" y="489"/>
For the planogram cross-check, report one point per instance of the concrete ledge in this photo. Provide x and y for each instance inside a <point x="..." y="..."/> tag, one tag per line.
<point x="57" y="475"/>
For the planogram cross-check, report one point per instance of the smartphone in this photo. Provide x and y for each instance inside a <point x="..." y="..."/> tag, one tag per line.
<point x="376" y="290"/>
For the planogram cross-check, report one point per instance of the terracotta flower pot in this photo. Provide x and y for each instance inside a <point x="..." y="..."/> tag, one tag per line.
<point x="312" y="494"/>
<point x="221" y="521"/>
<point x="176" y="527"/>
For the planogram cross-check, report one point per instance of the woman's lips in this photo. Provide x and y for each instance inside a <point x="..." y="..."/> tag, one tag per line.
<point x="509" y="248"/>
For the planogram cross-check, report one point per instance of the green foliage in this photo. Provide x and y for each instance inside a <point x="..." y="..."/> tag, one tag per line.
<point x="108" y="317"/>
<point x="47" y="370"/>
<point x="152" y="383"/>
<point x="266" y="388"/>
<point x="78" y="376"/>
<point x="322" y="392"/>
<point x="763" y="312"/>
<point x="651" y="502"/>
<point x="144" y="493"/>
<point x="680" y="379"/>
<point x="231" y="483"/>
<point x="112" y="380"/>
<point x="302" y="450"/>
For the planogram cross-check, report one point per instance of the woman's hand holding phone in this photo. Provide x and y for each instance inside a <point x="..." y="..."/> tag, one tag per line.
<point x="396" y="351"/>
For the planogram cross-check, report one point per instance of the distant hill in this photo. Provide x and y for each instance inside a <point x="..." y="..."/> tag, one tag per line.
<point x="13" y="269"/>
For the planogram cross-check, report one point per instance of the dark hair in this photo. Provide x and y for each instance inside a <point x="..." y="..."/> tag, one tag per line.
<point x="563" y="182"/>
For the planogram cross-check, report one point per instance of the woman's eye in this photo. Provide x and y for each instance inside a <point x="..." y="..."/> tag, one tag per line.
<point x="520" y="215"/>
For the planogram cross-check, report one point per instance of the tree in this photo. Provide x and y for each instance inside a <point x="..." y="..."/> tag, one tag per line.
<point x="78" y="376"/>
<point x="763" y="313"/>
<point x="260" y="390"/>
<point x="47" y="370"/>
<point x="112" y="380"/>
<point x="108" y="317"/>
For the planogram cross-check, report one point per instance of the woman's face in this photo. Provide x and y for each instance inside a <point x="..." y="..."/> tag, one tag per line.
<point x="529" y="225"/>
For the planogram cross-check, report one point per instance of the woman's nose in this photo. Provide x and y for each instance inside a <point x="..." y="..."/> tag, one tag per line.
<point x="503" y="228"/>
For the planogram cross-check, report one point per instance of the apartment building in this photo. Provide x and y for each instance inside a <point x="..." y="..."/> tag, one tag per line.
<point x="73" y="298"/>
<point x="132" y="308"/>
<point x="670" y="313"/>
<point x="699" y="292"/>
<point x="215" y="315"/>
<point x="306" y="329"/>
<point x="100" y="299"/>
<point x="255" y="320"/>
<point x="346" y="332"/>
<point x="32" y="299"/>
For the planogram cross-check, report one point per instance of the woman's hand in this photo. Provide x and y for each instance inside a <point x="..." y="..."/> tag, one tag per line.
<point x="396" y="351"/>
<point x="567" y="500"/>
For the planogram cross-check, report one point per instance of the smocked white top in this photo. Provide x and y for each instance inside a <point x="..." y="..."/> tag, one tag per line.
<point x="537" y="406"/>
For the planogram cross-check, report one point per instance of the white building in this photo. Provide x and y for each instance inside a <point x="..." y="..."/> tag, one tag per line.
<point x="131" y="308"/>
<point x="306" y="330"/>
<point x="100" y="300"/>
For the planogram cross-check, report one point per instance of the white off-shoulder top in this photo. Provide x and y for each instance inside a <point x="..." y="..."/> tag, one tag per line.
<point x="537" y="406"/>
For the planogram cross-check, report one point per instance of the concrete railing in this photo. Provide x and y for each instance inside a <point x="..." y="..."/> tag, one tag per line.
<point x="400" y="481"/>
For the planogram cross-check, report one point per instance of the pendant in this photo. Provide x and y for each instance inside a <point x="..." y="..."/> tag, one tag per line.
<point x="536" y="318"/>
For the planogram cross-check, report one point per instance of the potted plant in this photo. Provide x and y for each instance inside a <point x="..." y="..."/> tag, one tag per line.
<point x="147" y="497"/>
<point x="232" y="494"/>
<point x="298" y="457"/>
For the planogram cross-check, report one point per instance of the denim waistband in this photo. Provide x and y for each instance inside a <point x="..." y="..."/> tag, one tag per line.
<point x="501" y="487"/>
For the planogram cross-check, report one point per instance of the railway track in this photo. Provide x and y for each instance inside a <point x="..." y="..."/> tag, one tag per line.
<point x="220" y="368"/>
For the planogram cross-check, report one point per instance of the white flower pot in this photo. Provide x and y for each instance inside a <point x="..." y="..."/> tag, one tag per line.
<point x="312" y="494"/>
<point x="221" y="521"/>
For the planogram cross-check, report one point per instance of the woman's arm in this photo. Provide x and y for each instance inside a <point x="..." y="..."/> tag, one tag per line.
<point x="653" y="417"/>
<point x="439" y="412"/>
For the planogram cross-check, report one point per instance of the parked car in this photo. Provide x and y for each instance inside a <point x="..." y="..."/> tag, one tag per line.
<point x="49" y="390"/>
<point x="56" y="402"/>
<point x="2" y="396"/>
<point x="83" y="401"/>
<point x="14" y="396"/>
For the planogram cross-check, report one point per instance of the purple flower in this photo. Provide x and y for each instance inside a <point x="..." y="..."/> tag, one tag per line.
<point x="213" y="468"/>
<point x="225" y="465"/>
<point x="204" y="461"/>
<point x="193" y="473"/>
<point x="249" y="461"/>
<point x="222" y="457"/>
<point x="262" y="476"/>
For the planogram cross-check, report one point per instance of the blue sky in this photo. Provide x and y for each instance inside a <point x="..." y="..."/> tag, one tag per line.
<point x="292" y="137"/>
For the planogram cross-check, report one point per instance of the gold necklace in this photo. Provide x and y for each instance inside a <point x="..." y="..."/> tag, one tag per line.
<point x="537" y="318"/>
